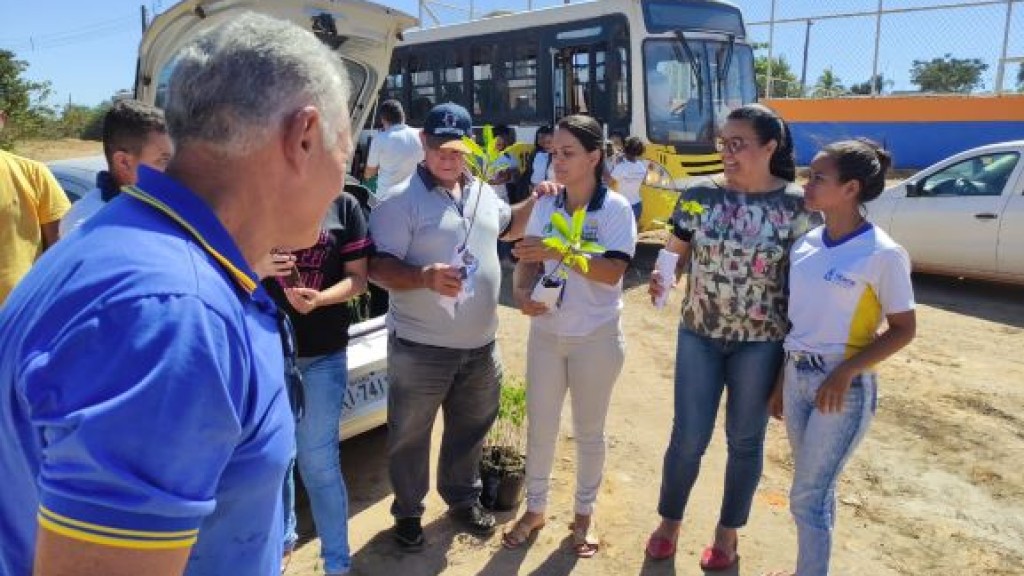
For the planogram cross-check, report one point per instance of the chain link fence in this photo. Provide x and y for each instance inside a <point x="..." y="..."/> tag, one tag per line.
<point x="836" y="48"/>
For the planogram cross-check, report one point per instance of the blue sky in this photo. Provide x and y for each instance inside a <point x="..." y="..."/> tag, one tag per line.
<point x="87" y="48"/>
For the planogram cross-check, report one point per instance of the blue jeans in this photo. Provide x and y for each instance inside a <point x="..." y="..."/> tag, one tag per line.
<point x="421" y="380"/>
<point x="316" y="437"/>
<point x="704" y="368"/>
<point x="822" y="444"/>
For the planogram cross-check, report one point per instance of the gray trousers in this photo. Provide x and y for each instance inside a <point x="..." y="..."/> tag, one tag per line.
<point x="422" y="379"/>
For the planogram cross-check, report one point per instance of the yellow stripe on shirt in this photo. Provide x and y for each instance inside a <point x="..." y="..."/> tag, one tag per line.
<point x="108" y="536"/>
<point x="864" y="322"/>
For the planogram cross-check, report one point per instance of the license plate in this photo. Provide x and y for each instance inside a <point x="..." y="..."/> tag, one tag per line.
<point x="365" y="391"/>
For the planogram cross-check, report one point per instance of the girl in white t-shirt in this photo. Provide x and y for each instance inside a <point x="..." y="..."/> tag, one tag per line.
<point x="845" y="278"/>
<point x="629" y="173"/>
<point x="576" y="347"/>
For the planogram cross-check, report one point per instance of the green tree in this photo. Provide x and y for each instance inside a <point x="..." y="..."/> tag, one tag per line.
<point x="829" y="85"/>
<point x="784" y="82"/>
<point x="93" y="130"/>
<point x="948" y="74"/>
<point x="879" y="81"/>
<point x="22" y="99"/>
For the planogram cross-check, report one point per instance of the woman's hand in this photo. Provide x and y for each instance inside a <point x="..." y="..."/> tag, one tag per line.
<point x="776" y="405"/>
<point x="303" y="300"/>
<point x="546" y="188"/>
<point x="274" y="264"/>
<point x="531" y="250"/>
<point x="658" y="286"/>
<point x="528" y="306"/>
<point x="832" y="393"/>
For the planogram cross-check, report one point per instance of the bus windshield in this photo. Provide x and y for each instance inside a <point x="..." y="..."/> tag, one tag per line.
<point x="692" y="87"/>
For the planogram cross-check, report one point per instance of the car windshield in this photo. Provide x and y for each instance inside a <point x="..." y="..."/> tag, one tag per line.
<point x="691" y="88"/>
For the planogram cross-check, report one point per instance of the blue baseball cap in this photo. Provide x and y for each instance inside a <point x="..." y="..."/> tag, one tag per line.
<point x="445" y="126"/>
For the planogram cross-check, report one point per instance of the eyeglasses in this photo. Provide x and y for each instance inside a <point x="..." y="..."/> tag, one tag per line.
<point x="733" y="145"/>
<point x="292" y="374"/>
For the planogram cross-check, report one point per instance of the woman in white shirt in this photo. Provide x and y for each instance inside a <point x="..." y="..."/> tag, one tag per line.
<point x="845" y="277"/>
<point x="577" y="346"/>
<point x="629" y="173"/>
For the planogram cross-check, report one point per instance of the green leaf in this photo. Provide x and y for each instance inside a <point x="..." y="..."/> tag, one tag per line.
<point x="555" y="244"/>
<point x="561" y="225"/>
<point x="582" y="263"/>
<point x="592" y="247"/>
<point x="474" y="148"/>
<point x="579" y="218"/>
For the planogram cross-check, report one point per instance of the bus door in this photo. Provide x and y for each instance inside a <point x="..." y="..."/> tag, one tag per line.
<point x="578" y="81"/>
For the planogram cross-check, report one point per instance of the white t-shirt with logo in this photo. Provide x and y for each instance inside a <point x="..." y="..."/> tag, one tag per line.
<point x="586" y="305"/>
<point x="395" y="153"/>
<point x="840" y="292"/>
<point x="629" y="175"/>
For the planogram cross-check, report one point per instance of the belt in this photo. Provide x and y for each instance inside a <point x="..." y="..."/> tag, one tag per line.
<point x="412" y="344"/>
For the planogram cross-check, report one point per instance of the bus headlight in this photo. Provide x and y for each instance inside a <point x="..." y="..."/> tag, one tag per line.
<point x="658" y="177"/>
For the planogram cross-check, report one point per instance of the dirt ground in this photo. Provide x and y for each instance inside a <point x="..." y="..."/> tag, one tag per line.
<point x="936" y="488"/>
<point x="46" y="150"/>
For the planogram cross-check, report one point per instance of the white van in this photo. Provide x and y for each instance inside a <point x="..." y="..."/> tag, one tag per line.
<point x="363" y="35"/>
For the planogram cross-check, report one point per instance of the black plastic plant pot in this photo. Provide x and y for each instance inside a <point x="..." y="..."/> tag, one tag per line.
<point x="502" y="491"/>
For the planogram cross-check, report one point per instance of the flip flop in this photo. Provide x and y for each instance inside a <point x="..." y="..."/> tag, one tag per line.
<point x="519" y="534"/>
<point x="715" y="559"/>
<point x="660" y="548"/>
<point x="584" y="543"/>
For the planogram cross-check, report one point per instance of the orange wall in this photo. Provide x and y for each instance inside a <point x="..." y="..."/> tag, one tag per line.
<point x="902" y="109"/>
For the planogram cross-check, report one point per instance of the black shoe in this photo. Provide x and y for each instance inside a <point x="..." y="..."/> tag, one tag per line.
<point x="474" y="519"/>
<point x="409" y="534"/>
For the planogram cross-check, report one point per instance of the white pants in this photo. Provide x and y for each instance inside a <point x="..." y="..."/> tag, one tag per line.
<point x="588" y="367"/>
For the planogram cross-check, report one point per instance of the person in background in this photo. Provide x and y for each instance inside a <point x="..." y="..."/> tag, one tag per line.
<point x="313" y="286"/>
<point x="845" y="277"/>
<point x="735" y="252"/>
<point x="435" y="238"/>
<point x="577" y="347"/>
<point x="538" y="165"/>
<point x="31" y="206"/>
<point x="504" y="181"/>
<point x="394" y="152"/>
<point x="629" y="173"/>
<point x="147" y="426"/>
<point x="134" y="134"/>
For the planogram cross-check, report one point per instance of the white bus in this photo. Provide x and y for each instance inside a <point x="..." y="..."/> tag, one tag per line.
<point x="664" y="70"/>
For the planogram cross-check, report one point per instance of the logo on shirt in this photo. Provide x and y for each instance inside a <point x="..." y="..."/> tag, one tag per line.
<point x="838" y="278"/>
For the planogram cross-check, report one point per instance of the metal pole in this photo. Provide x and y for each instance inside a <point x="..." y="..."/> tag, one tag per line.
<point x="771" y="41"/>
<point x="142" y="9"/>
<point x="878" y="39"/>
<point x="803" y="69"/>
<point x="1001" y="68"/>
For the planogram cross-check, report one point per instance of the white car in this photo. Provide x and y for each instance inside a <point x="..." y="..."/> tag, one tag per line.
<point x="963" y="216"/>
<point x="363" y="35"/>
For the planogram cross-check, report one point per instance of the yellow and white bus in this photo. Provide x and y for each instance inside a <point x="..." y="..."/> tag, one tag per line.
<point x="664" y="70"/>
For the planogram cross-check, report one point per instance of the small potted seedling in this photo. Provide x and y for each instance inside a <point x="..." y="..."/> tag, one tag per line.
<point x="503" y="464"/>
<point x="569" y="243"/>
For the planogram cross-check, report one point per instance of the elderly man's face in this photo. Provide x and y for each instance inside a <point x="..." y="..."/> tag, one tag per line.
<point x="444" y="164"/>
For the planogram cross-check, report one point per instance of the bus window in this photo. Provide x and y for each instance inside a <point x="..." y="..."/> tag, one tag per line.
<point x="522" y="81"/>
<point x="678" y="110"/>
<point x="736" y="87"/>
<point x="572" y="82"/>
<point x="485" y="95"/>
<point x="451" y="78"/>
<point x="421" y="81"/>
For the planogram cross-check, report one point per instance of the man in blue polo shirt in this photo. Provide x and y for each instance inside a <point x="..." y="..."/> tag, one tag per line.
<point x="146" y="423"/>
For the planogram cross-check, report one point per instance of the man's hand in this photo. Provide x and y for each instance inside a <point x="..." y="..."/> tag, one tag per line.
<point x="532" y="250"/>
<point x="444" y="279"/>
<point x="303" y="300"/>
<point x="832" y="393"/>
<point x="526" y="305"/>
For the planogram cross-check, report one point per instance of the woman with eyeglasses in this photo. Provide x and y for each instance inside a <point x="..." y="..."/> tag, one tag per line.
<point x="577" y="345"/>
<point x="847" y="276"/>
<point x="313" y="287"/>
<point x="734" y="250"/>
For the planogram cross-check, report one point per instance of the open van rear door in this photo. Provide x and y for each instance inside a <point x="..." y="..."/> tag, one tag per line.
<point x="363" y="35"/>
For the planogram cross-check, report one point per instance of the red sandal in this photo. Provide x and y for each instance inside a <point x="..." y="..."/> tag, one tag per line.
<point x="660" y="548"/>
<point x="715" y="559"/>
